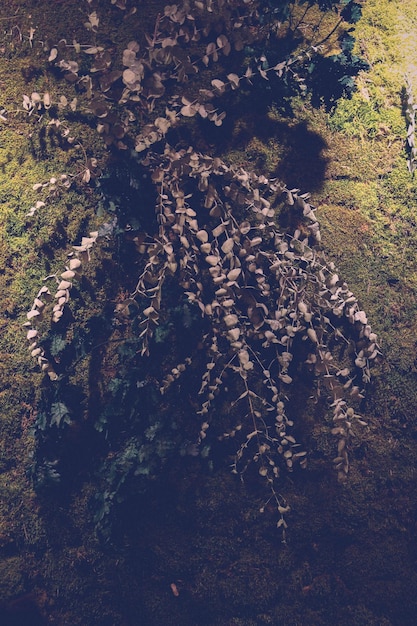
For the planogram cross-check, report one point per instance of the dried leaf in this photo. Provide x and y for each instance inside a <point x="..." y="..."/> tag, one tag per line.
<point x="202" y="235"/>
<point x="231" y="320"/>
<point x="360" y="316"/>
<point x="244" y="228"/>
<point x="234" y="334"/>
<point x="33" y="313"/>
<point x="233" y="80"/>
<point x="162" y="124"/>
<point x="92" y="50"/>
<point x="228" y="246"/>
<point x="243" y="356"/>
<point x="212" y="259"/>
<point x="219" y="230"/>
<point x="312" y="335"/>
<point x="218" y="85"/>
<point x="129" y="76"/>
<point x="67" y="275"/>
<point x="233" y="274"/>
<point x="224" y="44"/>
<point x="188" y="110"/>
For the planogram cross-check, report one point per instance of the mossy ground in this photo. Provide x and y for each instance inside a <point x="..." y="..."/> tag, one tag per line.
<point x="350" y="556"/>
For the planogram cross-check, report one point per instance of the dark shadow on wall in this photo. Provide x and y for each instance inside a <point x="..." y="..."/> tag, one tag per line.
<point x="21" y="611"/>
<point x="298" y="149"/>
<point x="284" y="148"/>
<point x="303" y="164"/>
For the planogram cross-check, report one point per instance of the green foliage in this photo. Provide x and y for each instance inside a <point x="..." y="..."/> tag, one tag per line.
<point x="352" y="12"/>
<point x="59" y="414"/>
<point x="332" y="77"/>
<point x="58" y="344"/>
<point x="127" y="473"/>
<point x="326" y="77"/>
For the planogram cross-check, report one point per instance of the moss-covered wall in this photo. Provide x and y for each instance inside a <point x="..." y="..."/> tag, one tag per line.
<point x="196" y="550"/>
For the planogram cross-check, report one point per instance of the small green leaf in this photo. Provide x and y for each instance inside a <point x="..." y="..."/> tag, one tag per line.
<point x="58" y="343"/>
<point x="59" y="414"/>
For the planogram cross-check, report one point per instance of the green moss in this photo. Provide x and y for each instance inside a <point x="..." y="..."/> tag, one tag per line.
<point x="11" y="577"/>
<point x="221" y="550"/>
<point x="361" y="117"/>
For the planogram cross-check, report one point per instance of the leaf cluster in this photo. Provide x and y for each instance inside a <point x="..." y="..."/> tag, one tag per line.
<point x="240" y="251"/>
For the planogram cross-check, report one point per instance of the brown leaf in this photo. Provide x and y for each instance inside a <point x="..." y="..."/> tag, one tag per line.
<point x="212" y="259"/>
<point x="231" y="320"/>
<point x="233" y="80"/>
<point x="233" y="274"/>
<point x="188" y="110"/>
<point x="218" y="85"/>
<point x="202" y="235"/>
<point x="228" y="246"/>
<point x="224" y="44"/>
<point x="216" y="232"/>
